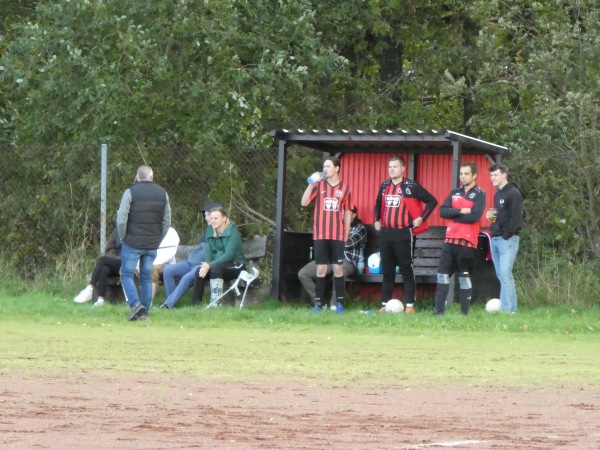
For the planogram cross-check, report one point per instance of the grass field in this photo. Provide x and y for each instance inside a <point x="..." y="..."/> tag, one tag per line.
<point x="554" y="346"/>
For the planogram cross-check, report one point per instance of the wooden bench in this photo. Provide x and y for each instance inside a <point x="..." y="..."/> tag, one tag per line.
<point x="254" y="249"/>
<point x="427" y="250"/>
<point x="426" y="255"/>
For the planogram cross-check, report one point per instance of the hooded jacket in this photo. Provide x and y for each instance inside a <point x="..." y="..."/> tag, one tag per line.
<point x="509" y="203"/>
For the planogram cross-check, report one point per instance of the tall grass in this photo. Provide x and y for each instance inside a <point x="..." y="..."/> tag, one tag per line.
<point x="549" y="278"/>
<point x="68" y="272"/>
<point x="543" y="279"/>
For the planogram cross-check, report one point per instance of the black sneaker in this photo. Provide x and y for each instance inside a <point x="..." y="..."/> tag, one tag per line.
<point x="437" y="313"/>
<point x="136" y="312"/>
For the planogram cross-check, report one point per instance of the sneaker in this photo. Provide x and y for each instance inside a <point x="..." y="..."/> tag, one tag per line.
<point x="136" y="312"/>
<point x="98" y="302"/>
<point x="333" y="307"/>
<point x="339" y="309"/>
<point x="85" y="295"/>
<point x="409" y="310"/>
<point x="164" y="306"/>
<point x="436" y="312"/>
<point x="317" y="308"/>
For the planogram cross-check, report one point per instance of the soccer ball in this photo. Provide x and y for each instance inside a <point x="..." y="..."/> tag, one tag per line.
<point x="394" y="306"/>
<point x="493" y="305"/>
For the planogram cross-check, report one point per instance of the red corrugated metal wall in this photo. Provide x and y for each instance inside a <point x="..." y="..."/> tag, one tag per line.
<point x="434" y="173"/>
<point x="365" y="172"/>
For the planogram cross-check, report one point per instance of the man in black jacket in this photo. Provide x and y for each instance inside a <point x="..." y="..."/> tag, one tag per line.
<point x="506" y="226"/>
<point x="143" y="219"/>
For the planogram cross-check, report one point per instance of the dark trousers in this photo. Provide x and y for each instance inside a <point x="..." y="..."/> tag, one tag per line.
<point x="396" y="249"/>
<point x="455" y="258"/>
<point x="225" y="271"/>
<point x="106" y="266"/>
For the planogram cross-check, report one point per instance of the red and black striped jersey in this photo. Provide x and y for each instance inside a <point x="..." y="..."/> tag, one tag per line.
<point x="330" y="204"/>
<point x="463" y="229"/>
<point x="397" y="205"/>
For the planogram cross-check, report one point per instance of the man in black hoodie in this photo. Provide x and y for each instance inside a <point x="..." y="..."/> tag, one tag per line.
<point x="508" y="202"/>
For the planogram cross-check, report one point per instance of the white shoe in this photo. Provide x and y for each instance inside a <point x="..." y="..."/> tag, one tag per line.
<point x="333" y="307"/>
<point x="85" y="295"/>
<point x="99" y="302"/>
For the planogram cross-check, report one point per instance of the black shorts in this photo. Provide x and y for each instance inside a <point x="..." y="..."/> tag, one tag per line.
<point x="454" y="258"/>
<point x="328" y="251"/>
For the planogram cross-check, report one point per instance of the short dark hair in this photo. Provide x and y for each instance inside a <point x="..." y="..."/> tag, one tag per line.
<point x="498" y="166"/>
<point x="334" y="160"/>
<point x="398" y="158"/>
<point x="472" y="165"/>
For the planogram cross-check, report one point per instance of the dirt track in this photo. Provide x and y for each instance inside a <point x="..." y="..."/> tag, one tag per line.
<point x="90" y="411"/>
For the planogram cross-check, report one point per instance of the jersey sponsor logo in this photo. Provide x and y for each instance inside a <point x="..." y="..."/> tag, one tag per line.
<point x="393" y="201"/>
<point x="331" y="204"/>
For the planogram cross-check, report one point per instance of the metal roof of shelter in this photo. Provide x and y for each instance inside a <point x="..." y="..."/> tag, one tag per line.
<point x="419" y="141"/>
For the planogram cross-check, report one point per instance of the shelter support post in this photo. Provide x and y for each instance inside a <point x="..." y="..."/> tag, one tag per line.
<point x="281" y="182"/>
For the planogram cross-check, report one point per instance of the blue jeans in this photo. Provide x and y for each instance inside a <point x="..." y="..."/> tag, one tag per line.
<point x="129" y="259"/>
<point x="504" y="253"/>
<point x="186" y="273"/>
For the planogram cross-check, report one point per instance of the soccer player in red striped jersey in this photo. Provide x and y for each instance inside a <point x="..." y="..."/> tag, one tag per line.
<point x="331" y="227"/>
<point x="464" y="207"/>
<point x="399" y="212"/>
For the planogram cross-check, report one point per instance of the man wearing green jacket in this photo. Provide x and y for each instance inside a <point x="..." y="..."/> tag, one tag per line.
<point x="224" y="256"/>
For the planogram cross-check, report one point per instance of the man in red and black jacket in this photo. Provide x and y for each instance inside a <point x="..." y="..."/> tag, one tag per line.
<point x="399" y="215"/>
<point x="464" y="207"/>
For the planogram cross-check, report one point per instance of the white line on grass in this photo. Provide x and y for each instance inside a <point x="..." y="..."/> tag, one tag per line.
<point x="444" y="444"/>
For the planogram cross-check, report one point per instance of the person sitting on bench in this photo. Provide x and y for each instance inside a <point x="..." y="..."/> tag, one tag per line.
<point x="107" y="266"/>
<point x="186" y="270"/>
<point x="224" y="256"/>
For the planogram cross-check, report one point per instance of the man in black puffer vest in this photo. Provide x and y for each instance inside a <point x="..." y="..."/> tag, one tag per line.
<point x="143" y="219"/>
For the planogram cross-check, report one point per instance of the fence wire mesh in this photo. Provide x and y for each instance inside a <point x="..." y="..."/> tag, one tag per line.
<point x="50" y="196"/>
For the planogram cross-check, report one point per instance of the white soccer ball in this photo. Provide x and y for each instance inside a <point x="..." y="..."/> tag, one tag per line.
<point x="493" y="305"/>
<point x="394" y="306"/>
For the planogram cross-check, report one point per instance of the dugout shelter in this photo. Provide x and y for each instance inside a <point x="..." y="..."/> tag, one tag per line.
<point x="433" y="159"/>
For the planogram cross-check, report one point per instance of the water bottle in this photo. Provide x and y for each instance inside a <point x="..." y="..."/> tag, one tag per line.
<point x="361" y="262"/>
<point x="315" y="178"/>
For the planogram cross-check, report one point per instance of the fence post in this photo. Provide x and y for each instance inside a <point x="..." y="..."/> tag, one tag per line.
<point x="103" y="163"/>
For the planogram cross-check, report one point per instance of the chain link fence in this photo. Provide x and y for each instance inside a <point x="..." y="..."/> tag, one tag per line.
<point x="50" y="196"/>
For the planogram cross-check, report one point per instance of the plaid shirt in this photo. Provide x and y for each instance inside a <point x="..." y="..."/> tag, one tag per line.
<point x="356" y="241"/>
